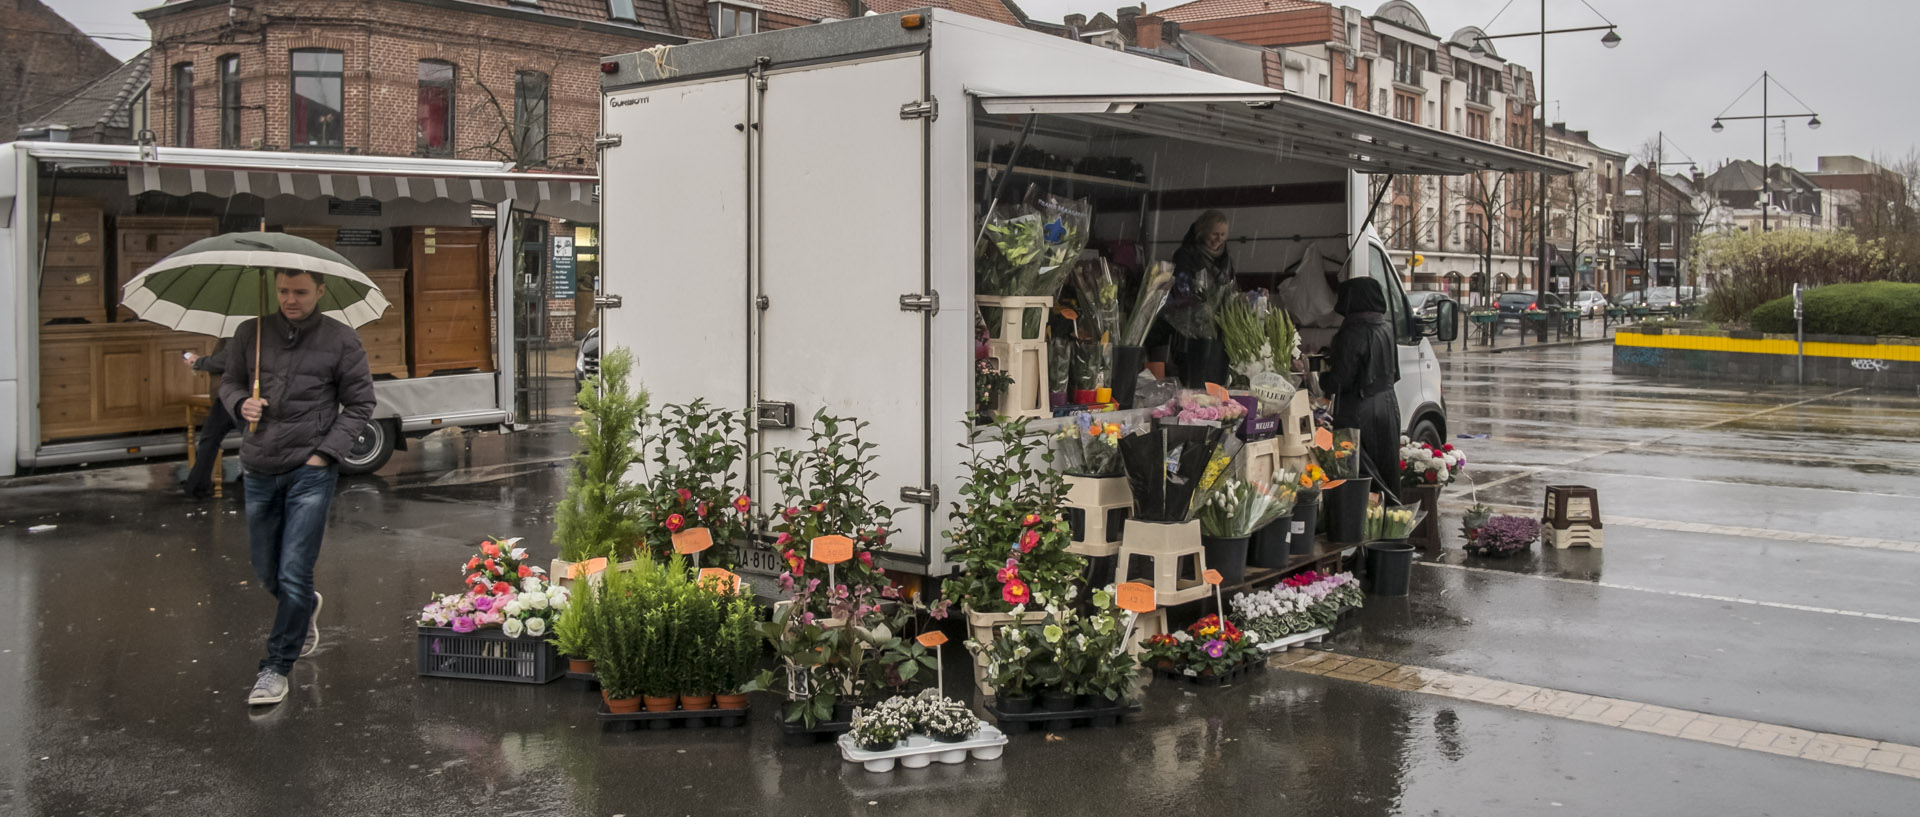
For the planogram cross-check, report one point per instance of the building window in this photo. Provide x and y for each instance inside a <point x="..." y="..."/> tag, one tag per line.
<point x="230" y="101"/>
<point x="138" y="112"/>
<point x="183" y="105"/>
<point x="530" y="118"/>
<point x="1350" y="90"/>
<point x="621" y="10"/>
<point x="1476" y="125"/>
<point x="733" y="21"/>
<point x="1323" y="87"/>
<point x="1406" y="108"/>
<point x="435" y="134"/>
<point x="317" y="118"/>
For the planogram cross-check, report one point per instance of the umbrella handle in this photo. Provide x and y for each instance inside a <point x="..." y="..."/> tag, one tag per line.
<point x="254" y="425"/>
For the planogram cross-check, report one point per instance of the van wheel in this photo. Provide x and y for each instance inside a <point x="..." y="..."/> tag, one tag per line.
<point x="370" y="450"/>
<point x="1425" y="431"/>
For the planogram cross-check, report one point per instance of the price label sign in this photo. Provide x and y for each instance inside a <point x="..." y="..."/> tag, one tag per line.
<point x="722" y="578"/>
<point x="1218" y="391"/>
<point x="1323" y="439"/>
<point x="692" y="540"/>
<point x="1136" y="597"/>
<point x="933" y="638"/>
<point x="831" y="549"/>
<point x="1212" y="577"/>
<point x="589" y="567"/>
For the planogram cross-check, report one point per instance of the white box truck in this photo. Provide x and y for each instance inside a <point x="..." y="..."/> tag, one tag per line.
<point x="100" y="388"/>
<point x="791" y="216"/>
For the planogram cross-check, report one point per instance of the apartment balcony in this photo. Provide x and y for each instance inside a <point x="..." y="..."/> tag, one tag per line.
<point x="1479" y="95"/>
<point x="1410" y="76"/>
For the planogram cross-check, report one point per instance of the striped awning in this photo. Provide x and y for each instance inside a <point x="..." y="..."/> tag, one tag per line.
<point x="570" y="197"/>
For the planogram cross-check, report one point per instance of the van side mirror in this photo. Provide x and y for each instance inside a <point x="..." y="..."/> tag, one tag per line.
<point x="1446" y="321"/>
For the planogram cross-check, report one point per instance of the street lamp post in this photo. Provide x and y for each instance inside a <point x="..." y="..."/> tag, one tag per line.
<point x="1766" y="175"/>
<point x="1611" y="39"/>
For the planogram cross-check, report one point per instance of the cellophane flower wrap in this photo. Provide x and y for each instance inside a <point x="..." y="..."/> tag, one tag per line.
<point x="1340" y="459"/>
<point x="1099" y="298"/>
<point x="1392" y="522"/>
<point x="1155" y="285"/>
<point x="1240" y="507"/>
<point x="1170" y="467"/>
<point x="1089" y="446"/>
<point x="504" y="592"/>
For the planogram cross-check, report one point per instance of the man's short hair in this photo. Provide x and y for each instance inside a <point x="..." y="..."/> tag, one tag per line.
<point x="318" y="279"/>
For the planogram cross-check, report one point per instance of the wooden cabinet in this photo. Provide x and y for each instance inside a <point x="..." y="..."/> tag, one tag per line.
<point x="144" y="240"/>
<point x="386" y="338"/>
<point x="447" y="285"/>
<point x="73" y="273"/>
<point x="116" y="378"/>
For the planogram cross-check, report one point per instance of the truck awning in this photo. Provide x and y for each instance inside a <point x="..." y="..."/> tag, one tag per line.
<point x="224" y="173"/>
<point x="1312" y="129"/>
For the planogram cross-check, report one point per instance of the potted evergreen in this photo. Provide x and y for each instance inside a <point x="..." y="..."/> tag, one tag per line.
<point x="736" y="650"/>
<point x="600" y="516"/>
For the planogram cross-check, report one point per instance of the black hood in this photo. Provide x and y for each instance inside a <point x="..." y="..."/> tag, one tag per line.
<point x="1360" y="295"/>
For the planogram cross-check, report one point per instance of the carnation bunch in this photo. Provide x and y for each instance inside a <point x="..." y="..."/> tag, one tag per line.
<point x="503" y="592"/>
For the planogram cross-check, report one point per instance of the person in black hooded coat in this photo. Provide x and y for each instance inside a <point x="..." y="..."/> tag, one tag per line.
<point x="1363" y="366"/>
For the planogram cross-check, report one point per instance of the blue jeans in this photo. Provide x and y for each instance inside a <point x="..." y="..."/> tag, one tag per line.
<point x="286" y="515"/>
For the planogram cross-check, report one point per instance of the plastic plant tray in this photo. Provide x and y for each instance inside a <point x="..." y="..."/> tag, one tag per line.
<point x="917" y="751"/>
<point x="1314" y="636"/>
<point x="686" y="718"/>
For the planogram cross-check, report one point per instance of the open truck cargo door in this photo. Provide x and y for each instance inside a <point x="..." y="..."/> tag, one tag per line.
<point x="1311" y="129"/>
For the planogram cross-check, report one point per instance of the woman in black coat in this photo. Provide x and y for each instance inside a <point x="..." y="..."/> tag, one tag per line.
<point x="1202" y="277"/>
<point x="1363" y="366"/>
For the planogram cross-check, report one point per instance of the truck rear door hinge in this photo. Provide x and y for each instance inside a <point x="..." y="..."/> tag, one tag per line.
<point x="929" y="497"/>
<point x="930" y="110"/>
<point x="773" y="414"/>
<point x="608" y="301"/>
<point x="917" y="302"/>
<point x="611" y="140"/>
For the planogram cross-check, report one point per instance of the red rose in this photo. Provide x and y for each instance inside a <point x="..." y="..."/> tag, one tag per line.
<point x="1433" y="476"/>
<point x="525" y="571"/>
<point x="491" y="567"/>
<point x="502" y="588"/>
<point x="489" y="548"/>
<point x="473" y="563"/>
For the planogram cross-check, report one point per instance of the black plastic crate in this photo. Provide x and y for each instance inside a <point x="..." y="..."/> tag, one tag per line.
<point x="487" y="655"/>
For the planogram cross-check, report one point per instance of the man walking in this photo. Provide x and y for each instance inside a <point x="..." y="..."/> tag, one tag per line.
<point x="316" y="396"/>
<point x="214" y="432"/>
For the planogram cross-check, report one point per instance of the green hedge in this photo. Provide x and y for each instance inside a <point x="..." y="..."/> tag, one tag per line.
<point x="1876" y="308"/>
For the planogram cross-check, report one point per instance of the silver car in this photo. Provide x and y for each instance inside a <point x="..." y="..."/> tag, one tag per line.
<point x="1590" y="303"/>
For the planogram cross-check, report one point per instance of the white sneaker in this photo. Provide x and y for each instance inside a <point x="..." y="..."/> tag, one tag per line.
<point x="313" y="630"/>
<point x="269" y="688"/>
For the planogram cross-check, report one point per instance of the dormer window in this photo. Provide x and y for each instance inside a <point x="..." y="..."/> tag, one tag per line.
<point x="734" y="19"/>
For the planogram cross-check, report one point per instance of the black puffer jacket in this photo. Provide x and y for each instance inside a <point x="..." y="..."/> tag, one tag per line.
<point x="314" y="377"/>
<point x="1363" y="366"/>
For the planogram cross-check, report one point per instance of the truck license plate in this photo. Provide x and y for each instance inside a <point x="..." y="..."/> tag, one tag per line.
<point x="757" y="558"/>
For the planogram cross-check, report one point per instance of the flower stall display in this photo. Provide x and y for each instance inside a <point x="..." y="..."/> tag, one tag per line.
<point x="824" y="490"/>
<point x="1089" y="447"/>
<point x="602" y="513"/>
<point x="1301" y="604"/>
<point x="1209" y="652"/>
<point x="917" y="730"/>
<point x="697" y="479"/>
<point x="499" y="628"/>
<point x="1060" y="661"/>
<point x="1234" y="512"/>
<point x="1504" y="536"/>
<point x="1422" y="464"/>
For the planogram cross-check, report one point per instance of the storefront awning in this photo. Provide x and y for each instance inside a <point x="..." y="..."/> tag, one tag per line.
<point x="1266" y="122"/>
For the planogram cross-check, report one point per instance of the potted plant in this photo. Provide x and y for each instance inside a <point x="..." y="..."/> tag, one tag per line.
<point x="944" y="719"/>
<point x="879" y="728"/>
<point x="617" y="639"/>
<point x="1475" y="518"/>
<point x="506" y="599"/>
<point x="570" y="634"/>
<point x="1007" y="669"/>
<point x="803" y="650"/>
<point x="1504" y="536"/>
<point x="693" y="482"/>
<point x="695" y="628"/>
<point x="601" y="514"/>
<point x="1101" y="666"/>
<point x="736" y="650"/>
<point x="824" y="489"/>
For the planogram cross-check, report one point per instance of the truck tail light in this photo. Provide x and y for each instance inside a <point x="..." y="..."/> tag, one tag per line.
<point x="609" y="67"/>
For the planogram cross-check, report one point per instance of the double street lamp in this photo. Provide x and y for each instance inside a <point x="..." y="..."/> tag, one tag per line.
<point x="1611" y="40"/>
<point x="1765" y="82"/>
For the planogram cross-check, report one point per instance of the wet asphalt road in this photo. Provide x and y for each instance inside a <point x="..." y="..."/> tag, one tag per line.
<point x="135" y="629"/>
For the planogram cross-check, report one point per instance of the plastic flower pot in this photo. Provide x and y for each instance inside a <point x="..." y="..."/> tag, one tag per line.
<point x="579" y="666"/>
<point x="1056" y="701"/>
<point x="877" y="747"/>
<point x="664" y="703"/>
<point x="1227" y="555"/>
<point x="1015" y="704"/>
<point x="1269" y="546"/>
<point x="843" y="711"/>
<point x="730" y="701"/>
<point x="1306" y="518"/>
<point x="1389" y="567"/>
<point x="1347" y="511"/>
<point x="696" y="702"/>
<point x="623" y="706"/>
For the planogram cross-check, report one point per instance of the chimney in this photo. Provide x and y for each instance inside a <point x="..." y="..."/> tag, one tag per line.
<point x="1075" y="22"/>
<point x="1169" y="31"/>
<point x="1147" y="31"/>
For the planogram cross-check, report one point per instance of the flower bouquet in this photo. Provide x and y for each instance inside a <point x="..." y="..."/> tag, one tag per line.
<point x="1341" y="459"/>
<point x="1504" y="536"/>
<point x="1154" y="288"/>
<point x="1088" y="447"/>
<point x="504" y="592"/>
<point x="1392" y="523"/>
<point x="1201" y="408"/>
<point x="1422" y="464"/>
<point x="1060" y="370"/>
<point x="1239" y="508"/>
<point x="1064" y="230"/>
<point x="1099" y="298"/>
<point x="1168" y="466"/>
<point x="1092" y="370"/>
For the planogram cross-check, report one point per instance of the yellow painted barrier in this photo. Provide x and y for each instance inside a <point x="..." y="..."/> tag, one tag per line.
<point x="1770" y="345"/>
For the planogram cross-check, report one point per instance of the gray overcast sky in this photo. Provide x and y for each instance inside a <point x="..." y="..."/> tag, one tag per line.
<point x="1682" y="61"/>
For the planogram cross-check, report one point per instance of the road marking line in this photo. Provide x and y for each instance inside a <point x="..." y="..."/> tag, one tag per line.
<point x="1519" y="475"/>
<point x="1822" y="747"/>
<point x="1780" y="605"/>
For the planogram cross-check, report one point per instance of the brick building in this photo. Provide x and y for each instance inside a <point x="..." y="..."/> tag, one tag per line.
<point x="514" y="80"/>
<point x="44" y="62"/>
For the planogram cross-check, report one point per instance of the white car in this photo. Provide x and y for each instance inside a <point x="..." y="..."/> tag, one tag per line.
<point x="1590" y="303"/>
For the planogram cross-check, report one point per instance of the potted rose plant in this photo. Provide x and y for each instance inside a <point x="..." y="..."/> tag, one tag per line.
<point x="694" y="483"/>
<point x="824" y="489"/>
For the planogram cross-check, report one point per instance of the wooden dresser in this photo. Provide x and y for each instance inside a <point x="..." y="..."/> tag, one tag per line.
<point x="145" y="240"/>
<point x="447" y="327"/>
<point x="386" y="338"/>
<point x="116" y="378"/>
<point x="73" y="280"/>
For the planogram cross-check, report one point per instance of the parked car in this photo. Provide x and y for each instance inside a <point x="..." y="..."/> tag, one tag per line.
<point x="1425" y="304"/>
<point x="586" y="363"/>
<point x="1662" y="299"/>
<point x="1630" y="299"/>
<point x="1512" y="304"/>
<point x="1590" y="303"/>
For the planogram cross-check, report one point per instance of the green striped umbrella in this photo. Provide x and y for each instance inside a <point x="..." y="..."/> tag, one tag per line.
<point x="213" y="285"/>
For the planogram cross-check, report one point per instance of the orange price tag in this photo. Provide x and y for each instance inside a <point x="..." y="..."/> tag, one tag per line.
<point x="1213" y="577"/>
<point x="1136" y="597"/>
<point x="1332" y="484"/>
<point x="933" y="638"/>
<point x="831" y="549"/>
<point x="692" y="540"/>
<point x="586" y="568"/>
<point x="1322" y="438"/>
<point x="1219" y="392"/>
<point x="1069" y="313"/>
<point x="727" y="579"/>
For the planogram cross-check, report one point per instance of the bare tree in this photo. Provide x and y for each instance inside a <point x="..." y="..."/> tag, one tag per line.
<point x="1484" y="194"/>
<point x="517" y="122"/>
<point x="1573" y="202"/>
<point x="1405" y="225"/>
